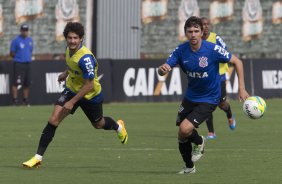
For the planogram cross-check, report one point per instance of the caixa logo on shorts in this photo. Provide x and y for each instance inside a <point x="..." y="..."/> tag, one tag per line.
<point x="203" y="62"/>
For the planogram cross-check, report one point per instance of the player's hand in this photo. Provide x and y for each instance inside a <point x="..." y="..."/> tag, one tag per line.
<point x="243" y="95"/>
<point x="164" y="69"/>
<point x="62" y="77"/>
<point x="67" y="108"/>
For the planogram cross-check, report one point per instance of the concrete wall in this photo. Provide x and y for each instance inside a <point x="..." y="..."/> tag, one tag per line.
<point x="42" y="29"/>
<point x="159" y="38"/>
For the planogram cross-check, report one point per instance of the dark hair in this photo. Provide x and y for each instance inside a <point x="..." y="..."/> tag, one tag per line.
<point x="193" y="21"/>
<point x="204" y="18"/>
<point x="75" y="27"/>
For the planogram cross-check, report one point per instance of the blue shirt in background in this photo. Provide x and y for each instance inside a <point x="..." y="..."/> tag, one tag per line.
<point x="22" y="47"/>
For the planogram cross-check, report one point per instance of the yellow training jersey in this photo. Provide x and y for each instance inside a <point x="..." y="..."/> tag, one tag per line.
<point x="75" y="79"/>
<point x="223" y="67"/>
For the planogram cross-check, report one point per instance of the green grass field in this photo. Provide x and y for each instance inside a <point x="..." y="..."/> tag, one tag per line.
<point x="80" y="154"/>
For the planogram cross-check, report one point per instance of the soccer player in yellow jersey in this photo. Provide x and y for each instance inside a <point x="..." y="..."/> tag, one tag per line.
<point x="82" y="90"/>
<point x="223" y="69"/>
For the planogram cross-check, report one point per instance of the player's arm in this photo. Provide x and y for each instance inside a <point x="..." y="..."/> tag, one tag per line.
<point x="62" y="77"/>
<point x="87" y="65"/>
<point x="13" y="49"/>
<point x="243" y="94"/>
<point x="12" y="54"/>
<point x="220" y="42"/>
<point x="171" y="62"/>
<point x="164" y="69"/>
<point x="86" y="88"/>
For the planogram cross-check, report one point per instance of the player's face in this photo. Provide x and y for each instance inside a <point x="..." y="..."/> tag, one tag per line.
<point x="206" y="26"/>
<point x="24" y="33"/>
<point x="73" y="41"/>
<point x="194" y="35"/>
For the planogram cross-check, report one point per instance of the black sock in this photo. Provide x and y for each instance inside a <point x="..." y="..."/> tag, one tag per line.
<point x="227" y="110"/>
<point x="195" y="137"/>
<point x="46" y="137"/>
<point x="185" y="150"/>
<point x="110" y="124"/>
<point x="210" y="123"/>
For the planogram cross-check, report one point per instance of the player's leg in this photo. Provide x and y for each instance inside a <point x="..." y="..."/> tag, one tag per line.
<point x="184" y="133"/>
<point x="49" y="131"/>
<point x="199" y="114"/>
<point x="17" y="81"/>
<point x="225" y="106"/>
<point x="26" y="84"/>
<point x="211" y="133"/>
<point x="94" y="112"/>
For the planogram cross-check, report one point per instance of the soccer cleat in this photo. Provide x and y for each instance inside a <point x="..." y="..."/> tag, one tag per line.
<point x="211" y="135"/>
<point x="187" y="170"/>
<point x="32" y="163"/>
<point x="198" y="150"/>
<point x="232" y="123"/>
<point x="122" y="135"/>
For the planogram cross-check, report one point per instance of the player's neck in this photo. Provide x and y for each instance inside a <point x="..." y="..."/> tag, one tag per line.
<point x="73" y="51"/>
<point x="196" y="47"/>
<point x="205" y="36"/>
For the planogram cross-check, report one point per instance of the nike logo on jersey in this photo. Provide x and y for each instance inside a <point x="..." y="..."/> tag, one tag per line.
<point x="221" y="51"/>
<point x="196" y="121"/>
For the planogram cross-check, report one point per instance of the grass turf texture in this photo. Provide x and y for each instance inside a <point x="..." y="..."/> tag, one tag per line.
<point x="82" y="154"/>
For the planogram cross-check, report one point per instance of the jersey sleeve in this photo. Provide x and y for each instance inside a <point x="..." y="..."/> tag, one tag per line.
<point x="87" y="64"/>
<point x="174" y="57"/>
<point x="221" y="55"/>
<point x="13" y="46"/>
<point x="220" y="42"/>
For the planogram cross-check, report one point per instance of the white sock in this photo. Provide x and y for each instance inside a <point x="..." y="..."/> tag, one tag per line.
<point x="38" y="157"/>
<point x="119" y="128"/>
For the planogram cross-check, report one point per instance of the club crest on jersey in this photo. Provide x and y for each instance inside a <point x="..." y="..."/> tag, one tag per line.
<point x="203" y="62"/>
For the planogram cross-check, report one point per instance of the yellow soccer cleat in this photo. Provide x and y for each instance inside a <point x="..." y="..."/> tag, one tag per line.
<point x="122" y="135"/>
<point x="32" y="163"/>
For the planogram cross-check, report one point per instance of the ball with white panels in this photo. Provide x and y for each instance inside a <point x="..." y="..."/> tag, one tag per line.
<point x="254" y="107"/>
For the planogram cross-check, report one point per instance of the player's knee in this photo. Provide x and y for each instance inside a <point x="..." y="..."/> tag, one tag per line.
<point x="99" y="124"/>
<point x="181" y="138"/>
<point x="223" y="105"/>
<point x="185" y="131"/>
<point x="53" y="121"/>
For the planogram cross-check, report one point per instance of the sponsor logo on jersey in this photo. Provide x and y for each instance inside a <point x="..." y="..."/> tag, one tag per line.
<point x="198" y="75"/>
<point x="89" y="66"/>
<point x="221" y="41"/>
<point x="221" y="51"/>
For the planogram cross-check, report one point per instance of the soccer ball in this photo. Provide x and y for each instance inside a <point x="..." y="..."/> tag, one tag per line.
<point x="254" y="107"/>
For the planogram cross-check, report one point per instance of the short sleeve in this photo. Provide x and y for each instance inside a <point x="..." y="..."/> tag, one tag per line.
<point x="174" y="57"/>
<point x="87" y="65"/>
<point x="13" y="47"/>
<point x="221" y="55"/>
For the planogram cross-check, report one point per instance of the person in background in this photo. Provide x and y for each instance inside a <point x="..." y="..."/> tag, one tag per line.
<point x="223" y="69"/>
<point x="21" y="52"/>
